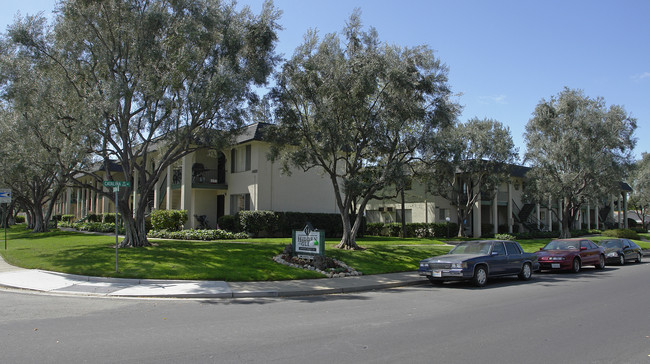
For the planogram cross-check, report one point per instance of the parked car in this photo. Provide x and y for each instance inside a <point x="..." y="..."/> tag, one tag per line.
<point x="620" y="251"/>
<point x="478" y="260"/>
<point x="570" y="254"/>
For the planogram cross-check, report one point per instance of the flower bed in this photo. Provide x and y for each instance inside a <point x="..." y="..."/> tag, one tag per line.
<point x="327" y="266"/>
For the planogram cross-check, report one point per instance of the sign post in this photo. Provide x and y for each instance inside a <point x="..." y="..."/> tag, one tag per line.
<point x="308" y="242"/>
<point x="5" y="198"/>
<point x="116" y="188"/>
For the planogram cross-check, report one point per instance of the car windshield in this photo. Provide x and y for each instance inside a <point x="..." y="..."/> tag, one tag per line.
<point x="562" y="245"/>
<point x="472" y="248"/>
<point x="611" y="244"/>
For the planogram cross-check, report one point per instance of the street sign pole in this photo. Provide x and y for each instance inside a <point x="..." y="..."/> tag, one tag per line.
<point x="116" y="188"/>
<point x="4" y="222"/>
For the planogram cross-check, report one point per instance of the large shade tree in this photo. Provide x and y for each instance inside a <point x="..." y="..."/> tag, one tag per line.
<point x="471" y="160"/>
<point x="579" y="150"/>
<point x="154" y="76"/>
<point x="358" y="111"/>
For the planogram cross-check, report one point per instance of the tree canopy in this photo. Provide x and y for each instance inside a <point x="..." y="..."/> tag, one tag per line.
<point x="640" y="179"/>
<point x="578" y="149"/>
<point x="471" y="159"/>
<point x="358" y="110"/>
<point x="153" y="77"/>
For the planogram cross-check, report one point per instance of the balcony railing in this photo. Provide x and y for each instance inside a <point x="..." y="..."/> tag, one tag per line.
<point x="205" y="178"/>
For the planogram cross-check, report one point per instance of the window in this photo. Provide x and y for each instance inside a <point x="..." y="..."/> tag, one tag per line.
<point x="499" y="248"/>
<point x="240" y="203"/>
<point x="240" y="159"/>
<point x="443" y="214"/>
<point x="513" y="248"/>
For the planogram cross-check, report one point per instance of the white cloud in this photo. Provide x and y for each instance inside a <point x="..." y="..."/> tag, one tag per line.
<point x="641" y="76"/>
<point x="494" y="99"/>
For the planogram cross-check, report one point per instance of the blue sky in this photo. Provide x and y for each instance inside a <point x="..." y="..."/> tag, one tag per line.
<point x="504" y="57"/>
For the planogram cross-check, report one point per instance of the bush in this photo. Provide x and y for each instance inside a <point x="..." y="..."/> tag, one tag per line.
<point x="196" y="235"/>
<point x="419" y="230"/>
<point x="110" y="217"/>
<point x="622" y="233"/>
<point x="98" y="227"/>
<point x="229" y="223"/>
<point x="504" y="237"/>
<point x="258" y="222"/>
<point x="93" y="217"/>
<point x="67" y="218"/>
<point x="170" y="220"/>
<point x="20" y="219"/>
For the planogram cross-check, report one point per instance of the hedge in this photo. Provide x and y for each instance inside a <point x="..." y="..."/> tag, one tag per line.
<point x="196" y="234"/>
<point x="622" y="233"/>
<point x="284" y="223"/>
<point x="419" y="230"/>
<point x="170" y="220"/>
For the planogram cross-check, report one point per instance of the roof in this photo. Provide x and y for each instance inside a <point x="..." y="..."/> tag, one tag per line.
<point x="252" y="132"/>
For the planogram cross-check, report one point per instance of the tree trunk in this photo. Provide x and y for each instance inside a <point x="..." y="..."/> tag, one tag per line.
<point x="135" y="234"/>
<point x="40" y="226"/>
<point x="402" y="233"/>
<point x="348" y="240"/>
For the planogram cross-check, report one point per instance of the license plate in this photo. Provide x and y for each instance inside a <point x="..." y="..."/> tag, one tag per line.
<point x="555" y="265"/>
<point x="436" y="273"/>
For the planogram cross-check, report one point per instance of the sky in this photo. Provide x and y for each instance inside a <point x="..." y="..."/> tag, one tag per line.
<point x="504" y="57"/>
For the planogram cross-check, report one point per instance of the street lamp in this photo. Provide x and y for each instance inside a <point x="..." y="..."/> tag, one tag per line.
<point x="448" y="220"/>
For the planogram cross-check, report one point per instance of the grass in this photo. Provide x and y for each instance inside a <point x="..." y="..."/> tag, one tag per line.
<point x="94" y="255"/>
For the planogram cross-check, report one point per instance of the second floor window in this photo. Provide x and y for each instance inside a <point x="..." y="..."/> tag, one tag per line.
<point x="240" y="159"/>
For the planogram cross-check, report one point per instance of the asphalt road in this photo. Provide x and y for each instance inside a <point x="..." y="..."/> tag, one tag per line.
<point x="592" y="317"/>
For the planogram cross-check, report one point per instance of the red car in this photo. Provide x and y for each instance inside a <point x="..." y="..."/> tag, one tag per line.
<point x="570" y="254"/>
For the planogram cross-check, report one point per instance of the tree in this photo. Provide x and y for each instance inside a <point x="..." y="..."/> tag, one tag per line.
<point x="38" y="155"/>
<point x="640" y="197"/>
<point x="578" y="150"/>
<point x="159" y="80"/>
<point x="476" y="158"/>
<point x="358" y="111"/>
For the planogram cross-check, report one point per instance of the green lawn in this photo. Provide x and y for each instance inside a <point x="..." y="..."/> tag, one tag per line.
<point x="94" y="255"/>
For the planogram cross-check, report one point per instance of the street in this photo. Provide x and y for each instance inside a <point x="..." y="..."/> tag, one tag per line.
<point x="592" y="317"/>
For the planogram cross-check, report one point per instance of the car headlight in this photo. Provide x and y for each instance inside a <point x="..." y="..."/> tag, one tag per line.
<point x="424" y="265"/>
<point x="612" y="254"/>
<point x="557" y="258"/>
<point x="459" y="265"/>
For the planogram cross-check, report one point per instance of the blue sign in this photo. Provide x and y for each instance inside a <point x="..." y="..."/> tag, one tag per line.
<point x="5" y="196"/>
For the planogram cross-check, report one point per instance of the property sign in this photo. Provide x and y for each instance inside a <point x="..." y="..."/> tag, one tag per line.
<point x="5" y="196"/>
<point x="308" y="242"/>
<point x="117" y="183"/>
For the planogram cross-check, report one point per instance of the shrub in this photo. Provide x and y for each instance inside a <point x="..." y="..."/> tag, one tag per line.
<point x="98" y="227"/>
<point x="110" y="217"/>
<point x="256" y="222"/>
<point x="67" y="218"/>
<point x="93" y="217"/>
<point x="622" y="233"/>
<point x="229" y="223"/>
<point x="170" y="220"/>
<point x="419" y="230"/>
<point x="196" y="235"/>
<point x="20" y="219"/>
<point x="504" y="237"/>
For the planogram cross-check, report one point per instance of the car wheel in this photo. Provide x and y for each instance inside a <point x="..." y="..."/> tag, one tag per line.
<point x="526" y="272"/>
<point x="621" y="259"/>
<point x="436" y="282"/>
<point x="575" y="267"/>
<point x="638" y="257"/>
<point x="480" y="276"/>
<point x="601" y="263"/>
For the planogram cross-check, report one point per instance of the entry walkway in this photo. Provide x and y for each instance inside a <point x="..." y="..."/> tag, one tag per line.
<point x="60" y="283"/>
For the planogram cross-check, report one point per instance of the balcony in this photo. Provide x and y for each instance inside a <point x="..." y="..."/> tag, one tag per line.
<point x="201" y="178"/>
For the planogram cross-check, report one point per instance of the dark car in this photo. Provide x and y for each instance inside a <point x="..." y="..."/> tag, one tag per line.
<point x="478" y="260"/>
<point x="619" y="251"/>
<point x="570" y="254"/>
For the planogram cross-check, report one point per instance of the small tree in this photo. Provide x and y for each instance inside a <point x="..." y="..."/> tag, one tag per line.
<point x="578" y="150"/>
<point x="476" y="158"/>
<point x="640" y="198"/>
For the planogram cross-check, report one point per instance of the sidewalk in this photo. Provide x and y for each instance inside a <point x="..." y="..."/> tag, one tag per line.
<point x="68" y="284"/>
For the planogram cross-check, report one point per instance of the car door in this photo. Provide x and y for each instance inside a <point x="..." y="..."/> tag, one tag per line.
<point x="588" y="254"/>
<point x="498" y="259"/>
<point x="515" y="257"/>
<point x="629" y="253"/>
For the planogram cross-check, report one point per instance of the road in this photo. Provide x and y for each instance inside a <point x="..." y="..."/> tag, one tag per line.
<point x="592" y="317"/>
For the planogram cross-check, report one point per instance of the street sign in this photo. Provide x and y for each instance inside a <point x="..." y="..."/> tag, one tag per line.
<point x="5" y="196"/>
<point x="117" y="183"/>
